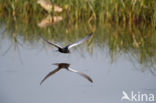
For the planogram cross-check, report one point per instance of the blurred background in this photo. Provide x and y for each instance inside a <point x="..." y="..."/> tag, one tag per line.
<point x="121" y="55"/>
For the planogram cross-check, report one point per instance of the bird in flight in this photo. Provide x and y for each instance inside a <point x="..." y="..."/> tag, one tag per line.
<point x="66" y="48"/>
<point x="65" y="66"/>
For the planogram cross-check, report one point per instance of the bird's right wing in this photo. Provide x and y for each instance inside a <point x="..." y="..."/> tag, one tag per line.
<point x="50" y="74"/>
<point x="80" y="41"/>
<point x="80" y="73"/>
<point x="57" y="46"/>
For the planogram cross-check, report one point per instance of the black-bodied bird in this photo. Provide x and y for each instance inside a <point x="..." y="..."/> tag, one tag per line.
<point x="65" y="66"/>
<point x="66" y="48"/>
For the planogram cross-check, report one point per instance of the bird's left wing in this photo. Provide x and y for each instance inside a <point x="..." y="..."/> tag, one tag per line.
<point x="57" y="46"/>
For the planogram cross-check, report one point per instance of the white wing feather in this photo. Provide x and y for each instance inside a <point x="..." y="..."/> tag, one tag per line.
<point x="80" y="41"/>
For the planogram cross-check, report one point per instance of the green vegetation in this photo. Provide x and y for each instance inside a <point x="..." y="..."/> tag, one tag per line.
<point x="114" y="11"/>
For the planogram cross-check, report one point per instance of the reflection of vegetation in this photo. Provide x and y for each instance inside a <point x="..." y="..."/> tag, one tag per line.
<point x="49" y="20"/>
<point x="125" y="26"/>
<point x="137" y="42"/>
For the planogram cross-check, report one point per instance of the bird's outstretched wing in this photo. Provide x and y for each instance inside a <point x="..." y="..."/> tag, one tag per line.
<point x="50" y="74"/>
<point x="57" y="46"/>
<point x="79" y="42"/>
<point x="80" y="73"/>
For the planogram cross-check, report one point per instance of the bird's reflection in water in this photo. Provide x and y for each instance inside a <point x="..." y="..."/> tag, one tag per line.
<point x="67" y="67"/>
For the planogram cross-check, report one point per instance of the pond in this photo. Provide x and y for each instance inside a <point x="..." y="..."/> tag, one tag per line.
<point x="118" y="60"/>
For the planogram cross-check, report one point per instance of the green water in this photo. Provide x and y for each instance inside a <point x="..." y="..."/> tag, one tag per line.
<point x="138" y="41"/>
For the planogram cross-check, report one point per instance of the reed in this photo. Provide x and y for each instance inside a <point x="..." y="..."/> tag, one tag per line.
<point x="127" y="12"/>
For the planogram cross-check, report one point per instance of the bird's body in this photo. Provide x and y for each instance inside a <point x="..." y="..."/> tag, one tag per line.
<point x="66" y="48"/>
<point x="67" y="67"/>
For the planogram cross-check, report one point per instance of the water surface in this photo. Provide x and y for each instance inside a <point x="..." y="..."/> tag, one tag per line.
<point x="113" y="63"/>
